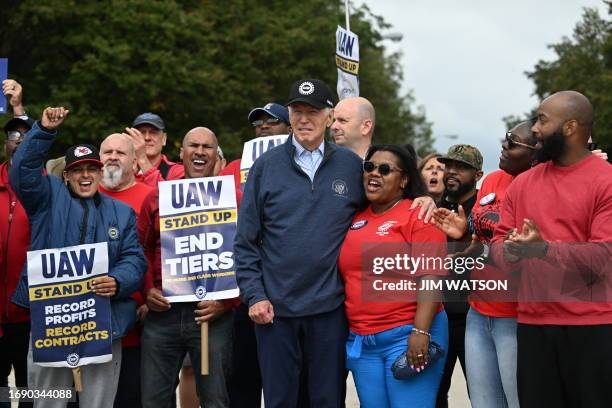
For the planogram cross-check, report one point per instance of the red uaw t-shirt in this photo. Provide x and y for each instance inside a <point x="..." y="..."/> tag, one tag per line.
<point x="397" y="227"/>
<point x="485" y="216"/>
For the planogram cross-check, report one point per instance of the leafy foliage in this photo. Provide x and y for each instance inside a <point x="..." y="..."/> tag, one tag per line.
<point x="198" y="62"/>
<point x="584" y="64"/>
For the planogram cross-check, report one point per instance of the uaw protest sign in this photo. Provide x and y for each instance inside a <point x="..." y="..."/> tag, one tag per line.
<point x="347" y="63"/>
<point x="197" y="227"/>
<point x="255" y="148"/>
<point x="71" y="326"/>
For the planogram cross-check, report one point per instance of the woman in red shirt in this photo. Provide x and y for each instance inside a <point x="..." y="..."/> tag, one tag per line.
<point x="387" y="315"/>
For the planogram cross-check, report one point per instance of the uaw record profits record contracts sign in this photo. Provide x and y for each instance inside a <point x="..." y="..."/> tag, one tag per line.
<point x="197" y="227"/>
<point x="71" y="326"/>
<point x="255" y="148"/>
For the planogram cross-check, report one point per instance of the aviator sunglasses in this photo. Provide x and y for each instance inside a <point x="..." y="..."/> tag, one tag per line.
<point x="511" y="142"/>
<point x="384" y="169"/>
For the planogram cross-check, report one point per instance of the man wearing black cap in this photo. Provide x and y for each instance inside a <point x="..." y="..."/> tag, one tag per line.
<point x="69" y="214"/>
<point x="14" y="241"/>
<point x="298" y="203"/>
<point x="148" y="132"/>
<point x="245" y="384"/>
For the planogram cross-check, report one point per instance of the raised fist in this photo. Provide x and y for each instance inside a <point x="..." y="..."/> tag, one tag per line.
<point x="53" y="117"/>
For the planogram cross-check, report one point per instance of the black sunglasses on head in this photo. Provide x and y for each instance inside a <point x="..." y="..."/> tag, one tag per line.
<point x="384" y="169"/>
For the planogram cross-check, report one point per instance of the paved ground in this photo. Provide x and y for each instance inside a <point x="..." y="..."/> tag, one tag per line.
<point x="457" y="397"/>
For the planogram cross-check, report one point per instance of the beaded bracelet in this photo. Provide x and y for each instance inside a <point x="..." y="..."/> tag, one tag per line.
<point x="419" y="331"/>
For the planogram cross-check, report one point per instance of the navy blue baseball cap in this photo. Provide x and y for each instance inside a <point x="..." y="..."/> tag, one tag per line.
<point x="149" y="118"/>
<point x="275" y="110"/>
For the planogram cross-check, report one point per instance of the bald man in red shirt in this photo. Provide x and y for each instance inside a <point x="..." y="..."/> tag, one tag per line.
<point x="556" y="228"/>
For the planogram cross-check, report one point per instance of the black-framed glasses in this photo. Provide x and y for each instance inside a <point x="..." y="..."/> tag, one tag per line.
<point x="384" y="169"/>
<point x="14" y="136"/>
<point x="267" y="121"/>
<point x="512" y="142"/>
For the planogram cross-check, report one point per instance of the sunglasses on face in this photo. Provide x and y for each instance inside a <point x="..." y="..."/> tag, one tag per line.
<point x="383" y="169"/>
<point x="15" y="136"/>
<point x="512" y="142"/>
<point x="268" y="121"/>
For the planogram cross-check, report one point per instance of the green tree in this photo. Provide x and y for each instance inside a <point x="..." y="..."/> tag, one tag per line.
<point x="584" y="64"/>
<point x="198" y="62"/>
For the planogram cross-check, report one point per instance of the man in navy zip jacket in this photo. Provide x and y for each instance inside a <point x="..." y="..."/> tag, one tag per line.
<point x="298" y="203"/>
<point x="70" y="214"/>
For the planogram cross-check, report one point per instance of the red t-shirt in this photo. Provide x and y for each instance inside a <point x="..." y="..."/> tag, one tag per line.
<point x="485" y="217"/>
<point x="569" y="205"/>
<point x="134" y="197"/>
<point x="233" y="169"/>
<point x="397" y="225"/>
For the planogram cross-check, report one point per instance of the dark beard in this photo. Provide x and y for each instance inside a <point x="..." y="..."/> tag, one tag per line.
<point x="552" y="148"/>
<point x="463" y="189"/>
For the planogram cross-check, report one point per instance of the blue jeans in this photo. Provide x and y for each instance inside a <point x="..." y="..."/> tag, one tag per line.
<point x="490" y="356"/>
<point x="371" y="368"/>
<point x="166" y="339"/>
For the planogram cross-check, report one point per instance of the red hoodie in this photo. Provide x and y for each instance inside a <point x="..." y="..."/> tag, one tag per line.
<point x="15" y="241"/>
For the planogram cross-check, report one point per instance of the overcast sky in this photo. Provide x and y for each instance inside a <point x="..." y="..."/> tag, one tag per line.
<point x="465" y="60"/>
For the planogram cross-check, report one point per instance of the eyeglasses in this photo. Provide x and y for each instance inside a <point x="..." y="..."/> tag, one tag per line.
<point x="15" y="135"/>
<point x="268" y="121"/>
<point x="511" y="142"/>
<point x="384" y="169"/>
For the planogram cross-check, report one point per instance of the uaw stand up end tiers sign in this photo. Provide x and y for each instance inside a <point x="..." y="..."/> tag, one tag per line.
<point x="197" y="227"/>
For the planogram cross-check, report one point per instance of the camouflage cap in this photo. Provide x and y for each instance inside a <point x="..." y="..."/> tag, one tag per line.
<point x="465" y="154"/>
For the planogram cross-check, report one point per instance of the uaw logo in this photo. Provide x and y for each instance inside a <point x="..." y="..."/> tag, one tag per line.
<point x="81" y="151"/>
<point x="200" y="292"/>
<point x="113" y="233"/>
<point x="306" y="88"/>
<point x="385" y="227"/>
<point x="339" y="187"/>
<point x="73" y="359"/>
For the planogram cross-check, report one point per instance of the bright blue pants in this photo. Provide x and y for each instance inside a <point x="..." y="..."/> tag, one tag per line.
<point x="369" y="358"/>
